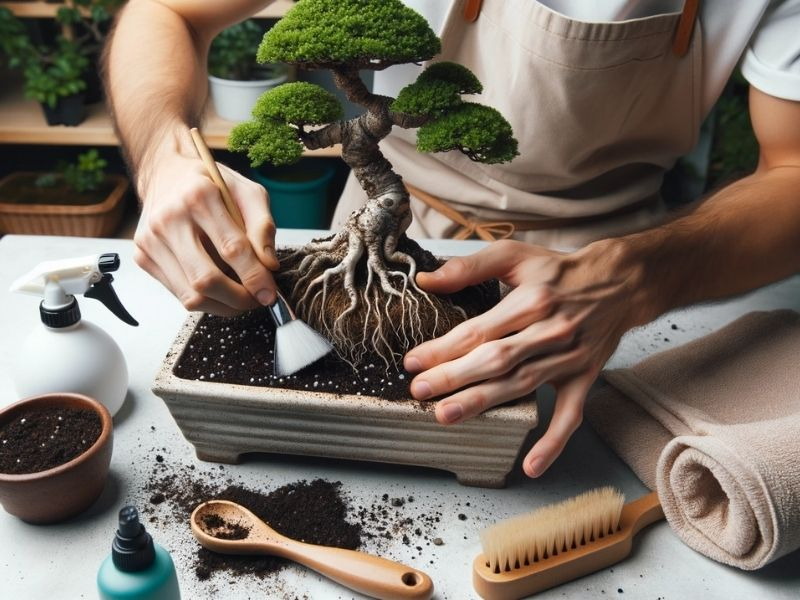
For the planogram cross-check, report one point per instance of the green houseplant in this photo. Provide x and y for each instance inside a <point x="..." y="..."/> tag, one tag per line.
<point x="77" y="198"/>
<point x="235" y="79"/>
<point x="59" y="67"/>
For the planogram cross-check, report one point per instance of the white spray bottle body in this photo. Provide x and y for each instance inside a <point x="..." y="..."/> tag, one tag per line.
<point x="66" y="353"/>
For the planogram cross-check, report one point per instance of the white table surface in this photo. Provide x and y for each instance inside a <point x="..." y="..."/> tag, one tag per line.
<point x="60" y="561"/>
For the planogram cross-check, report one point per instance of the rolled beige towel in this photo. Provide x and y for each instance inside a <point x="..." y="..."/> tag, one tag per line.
<point x="714" y="425"/>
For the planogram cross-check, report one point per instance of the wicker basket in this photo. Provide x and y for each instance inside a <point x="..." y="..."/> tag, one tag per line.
<point x="92" y="220"/>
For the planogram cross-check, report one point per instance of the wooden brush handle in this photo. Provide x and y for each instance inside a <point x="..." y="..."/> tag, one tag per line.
<point x="364" y="573"/>
<point x="569" y="565"/>
<point x="216" y="176"/>
<point x="640" y="513"/>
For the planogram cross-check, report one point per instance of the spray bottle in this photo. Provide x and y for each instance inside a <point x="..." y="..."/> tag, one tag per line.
<point x="138" y="568"/>
<point x="68" y="354"/>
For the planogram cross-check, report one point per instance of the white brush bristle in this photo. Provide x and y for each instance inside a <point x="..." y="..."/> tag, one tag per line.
<point x="551" y="530"/>
<point x="297" y="346"/>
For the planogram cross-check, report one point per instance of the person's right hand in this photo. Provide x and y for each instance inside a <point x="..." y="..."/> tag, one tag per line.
<point x="187" y="240"/>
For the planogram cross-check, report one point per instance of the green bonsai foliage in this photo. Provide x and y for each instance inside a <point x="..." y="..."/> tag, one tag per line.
<point x="437" y="90"/>
<point x="358" y="288"/>
<point x="478" y="131"/>
<point x="280" y="114"/>
<point x="232" y="52"/>
<point x="299" y="103"/>
<point x="361" y="34"/>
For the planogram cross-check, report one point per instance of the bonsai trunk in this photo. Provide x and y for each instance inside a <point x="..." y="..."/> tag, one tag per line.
<point x="358" y="287"/>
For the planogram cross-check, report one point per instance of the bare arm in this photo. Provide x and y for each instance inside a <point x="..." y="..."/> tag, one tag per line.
<point x="567" y="312"/>
<point x="156" y="81"/>
<point x="744" y="236"/>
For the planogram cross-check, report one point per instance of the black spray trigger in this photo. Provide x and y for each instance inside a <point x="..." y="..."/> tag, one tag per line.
<point x="103" y="292"/>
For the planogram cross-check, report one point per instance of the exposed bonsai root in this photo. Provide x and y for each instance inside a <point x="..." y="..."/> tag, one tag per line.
<point x="358" y="289"/>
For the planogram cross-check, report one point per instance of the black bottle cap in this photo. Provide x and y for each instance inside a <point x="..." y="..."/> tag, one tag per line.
<point x="60" y="317"/>
<point x="132" y="549"/>
<point x="108" y="262"/>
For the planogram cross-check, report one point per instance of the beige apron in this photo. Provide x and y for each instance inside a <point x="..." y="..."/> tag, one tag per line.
<point x="601" y="111"/>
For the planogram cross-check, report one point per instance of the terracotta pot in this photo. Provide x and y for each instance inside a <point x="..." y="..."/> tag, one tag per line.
<point x="66" y="490"/>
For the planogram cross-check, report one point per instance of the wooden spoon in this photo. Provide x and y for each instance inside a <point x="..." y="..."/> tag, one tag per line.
<point x="364" y="573"/>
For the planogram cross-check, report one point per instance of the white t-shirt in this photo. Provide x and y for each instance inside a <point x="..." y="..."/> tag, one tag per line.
<point x="764" y="34"/>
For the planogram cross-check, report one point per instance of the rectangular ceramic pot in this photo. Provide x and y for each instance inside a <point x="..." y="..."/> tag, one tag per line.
<point x="224" y="421"/>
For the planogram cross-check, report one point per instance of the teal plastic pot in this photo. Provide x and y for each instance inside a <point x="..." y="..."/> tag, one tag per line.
<point x="298" y="194"/>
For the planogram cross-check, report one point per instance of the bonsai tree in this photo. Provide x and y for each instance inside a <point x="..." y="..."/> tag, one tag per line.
<point x="358" y="286"/>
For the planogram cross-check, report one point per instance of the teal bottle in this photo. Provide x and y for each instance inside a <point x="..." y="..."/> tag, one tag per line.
<point x="138" y="568"/>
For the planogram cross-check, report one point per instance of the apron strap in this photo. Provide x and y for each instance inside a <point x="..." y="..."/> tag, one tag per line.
<point x="683" y="33"/>
<point x="472" y="9"/>
<point x="499" y="230"/>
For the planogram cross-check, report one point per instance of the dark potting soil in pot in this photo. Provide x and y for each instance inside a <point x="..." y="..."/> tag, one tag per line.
<point x="40" y="439"/>
<point x="240" y="350"/>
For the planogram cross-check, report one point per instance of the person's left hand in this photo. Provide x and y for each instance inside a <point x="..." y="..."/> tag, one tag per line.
<point x="560" y="324"/>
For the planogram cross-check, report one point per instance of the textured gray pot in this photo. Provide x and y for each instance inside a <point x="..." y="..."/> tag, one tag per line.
<point x="224" y="421"/>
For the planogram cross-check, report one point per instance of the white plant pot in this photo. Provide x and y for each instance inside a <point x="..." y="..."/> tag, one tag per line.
<point x="234" y="100"/>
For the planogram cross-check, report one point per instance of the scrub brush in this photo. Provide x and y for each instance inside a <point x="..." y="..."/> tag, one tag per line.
<point x="296" y="344"/>
<point x="529" y="553"/>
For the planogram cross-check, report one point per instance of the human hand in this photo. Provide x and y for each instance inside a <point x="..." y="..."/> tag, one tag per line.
<point x="559" y="324"/>
<point x="189" y="242"/>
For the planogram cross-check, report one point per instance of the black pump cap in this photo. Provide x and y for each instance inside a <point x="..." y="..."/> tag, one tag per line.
<point x="60" y="317"/>
<point x="108" y="262"/>
<point x="132" y="549"/>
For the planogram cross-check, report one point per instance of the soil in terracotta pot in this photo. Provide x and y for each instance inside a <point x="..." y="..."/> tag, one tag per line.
<point x="23" y="190"/>
<point x="241" y="350"/>
<point x="40" y="439"/>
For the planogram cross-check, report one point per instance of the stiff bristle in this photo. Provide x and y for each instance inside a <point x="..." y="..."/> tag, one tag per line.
<point x="552" y="530"/>
<point x="297" y="346"/>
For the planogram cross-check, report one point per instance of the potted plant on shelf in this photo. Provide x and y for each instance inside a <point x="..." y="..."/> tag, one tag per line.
<point x="357" y="287"/>
<point x="77" y="198"/>
<point x="88" y="22"/>
<point x="235" y="79"/>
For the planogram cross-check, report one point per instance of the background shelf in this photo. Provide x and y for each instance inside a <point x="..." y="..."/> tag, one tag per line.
<point x="48" y="9"/>
<point x="22" y="122"/>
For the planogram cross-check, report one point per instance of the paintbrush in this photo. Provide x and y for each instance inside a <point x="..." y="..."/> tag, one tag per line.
<point x="296" y="344"/>
<point x="532" y="552"/>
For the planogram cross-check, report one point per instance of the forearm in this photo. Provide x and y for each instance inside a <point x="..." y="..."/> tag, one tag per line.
<point x="155" y="78"/>
<point x="745" y="236"/>
<point x="156" y="71"/>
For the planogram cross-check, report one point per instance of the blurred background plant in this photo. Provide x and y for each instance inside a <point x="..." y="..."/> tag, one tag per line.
<point x="58" y="60"/>
<point x="727" y="149"/>
<point x="233" y="51"/>
<point x="86" y="174"/>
